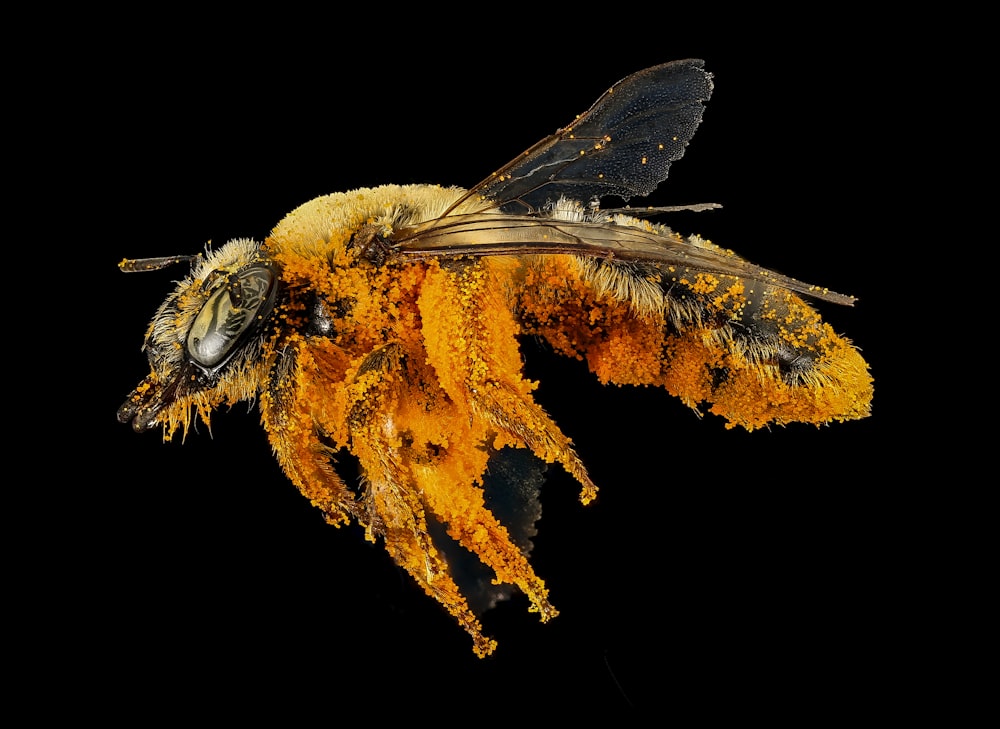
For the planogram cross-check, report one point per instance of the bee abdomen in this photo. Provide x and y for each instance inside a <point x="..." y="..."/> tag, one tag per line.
<point x="754" y="353"/>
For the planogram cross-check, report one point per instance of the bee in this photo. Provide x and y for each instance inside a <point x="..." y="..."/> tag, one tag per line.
<point x="386" y="323"/>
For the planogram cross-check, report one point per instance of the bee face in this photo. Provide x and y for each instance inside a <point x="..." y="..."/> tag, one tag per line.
<point x="205" y="338"/>
<point x="387" y="323"/>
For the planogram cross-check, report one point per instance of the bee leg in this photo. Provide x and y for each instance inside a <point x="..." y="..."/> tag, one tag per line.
<point x="471" y="339"/>
<point x="475" y="527"/>
<point x="515" y="413"/>
<point x="393" y="506"/>
<point x="286" y="412"/>
<point x="403" y="525"/>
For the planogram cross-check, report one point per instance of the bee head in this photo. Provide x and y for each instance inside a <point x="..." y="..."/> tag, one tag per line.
<point x="204" y="342"/>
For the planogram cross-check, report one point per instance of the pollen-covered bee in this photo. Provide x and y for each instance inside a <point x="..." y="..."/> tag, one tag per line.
<point x="386" y="323"/>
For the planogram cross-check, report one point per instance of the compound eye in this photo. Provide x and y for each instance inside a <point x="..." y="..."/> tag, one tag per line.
<point x="222" y="322"/>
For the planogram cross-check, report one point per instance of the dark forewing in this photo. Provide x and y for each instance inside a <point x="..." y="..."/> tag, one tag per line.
<point x="623" y="145"/>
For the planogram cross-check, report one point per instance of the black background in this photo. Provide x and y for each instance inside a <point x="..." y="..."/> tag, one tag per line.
<point x="717" y="569"/>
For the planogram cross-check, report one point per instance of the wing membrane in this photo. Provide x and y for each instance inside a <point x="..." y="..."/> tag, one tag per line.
<point x="623" y="145"/>
<point x="490" y="234"/>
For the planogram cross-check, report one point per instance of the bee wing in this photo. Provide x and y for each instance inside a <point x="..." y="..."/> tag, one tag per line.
<point x="623" y="145"/>
<point x="492" y="234"/>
